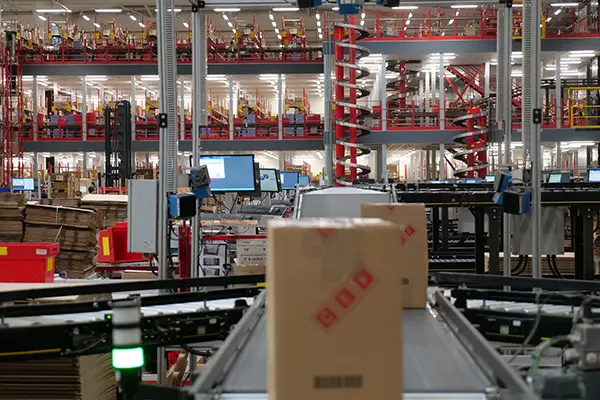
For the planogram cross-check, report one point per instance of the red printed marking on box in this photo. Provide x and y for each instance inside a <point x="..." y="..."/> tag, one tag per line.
<point x="326" y="317"/>
<point x="409" y="230"/>
<point x="345" y="298"/>
<point x="363" y="279"/>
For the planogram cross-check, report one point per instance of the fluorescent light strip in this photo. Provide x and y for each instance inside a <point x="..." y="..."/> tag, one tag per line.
<point x="42" y="17"/>
<point x="564" y="4"/>
<point x="133" y="18"/>
<point x="285" y="9"/>
<point x="169" y="10"/>
<point x="405" y="8"/>
<point x="108" y="10"/>
<point x="52" y="11"/>
<point x="232" y="9"/>
<point x="464" y="6"/>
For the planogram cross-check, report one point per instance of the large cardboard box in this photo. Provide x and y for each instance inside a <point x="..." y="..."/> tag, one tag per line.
<point x="414" y="261"/>
<point x="334" y="287"/>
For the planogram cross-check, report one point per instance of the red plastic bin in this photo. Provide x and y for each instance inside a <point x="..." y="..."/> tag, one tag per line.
<point x="113" y="246"/>
<point x="28" y="262"/>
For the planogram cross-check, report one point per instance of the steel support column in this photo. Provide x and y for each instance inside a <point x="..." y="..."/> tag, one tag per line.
<point x="442" y="94"/>
<point x="382" y="92"/>
<point x="181" y="110"/>
<point x="531" y="128"/>
<point x="199" y="124"/>
<point x="559" y="156"/>
<point x="167" y="67"/>
<point x="427" y="96"/>
<point x="383" y="166"/>
<point x="133" y="107"/>
<point x="504" y="112"/>
<point x="280" y="105"/>
<point x="36" y="108"/>
<point x="84" y="128"/>
<point x="442" y="161"/>
<point x="36" y="174"/>
<point x="558" y="94"/>
<point x="231" y="106"/>
<point x="84" y="161"/>
<point x="486" y="79"/>
<point x="327" y="114"/>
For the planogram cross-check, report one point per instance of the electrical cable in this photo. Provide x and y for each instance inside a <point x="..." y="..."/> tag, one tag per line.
<point x="516" y="270"/>
<point x="533" y="330"/>
<point x="195" y="352"/>
<point x="541" y="348"/>
<point x="90" y="347"/>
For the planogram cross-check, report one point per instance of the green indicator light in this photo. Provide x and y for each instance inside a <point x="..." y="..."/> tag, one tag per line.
<point x="108" y="316"/>
<point x="128" y="358"/>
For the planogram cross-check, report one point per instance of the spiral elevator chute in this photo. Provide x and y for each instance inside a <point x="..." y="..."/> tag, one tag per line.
<point x="474" y="156"/>
<point x="397" y="106"/>
<point x="349" y="126"/>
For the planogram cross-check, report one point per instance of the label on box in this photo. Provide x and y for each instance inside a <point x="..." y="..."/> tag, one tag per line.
<point x="3" y="251"/>
<point x="41" y="252"/>
<point x="252" y="260"/>
<point x="252" y="242"/>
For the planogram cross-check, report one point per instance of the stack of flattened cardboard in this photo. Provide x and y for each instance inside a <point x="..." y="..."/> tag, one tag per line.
<point x="111" y="208"/>
<point x="564" y="262"/>
<point x="75" y="229"/>
<point x="12" y="208"/>
<point x="77" y="378"/>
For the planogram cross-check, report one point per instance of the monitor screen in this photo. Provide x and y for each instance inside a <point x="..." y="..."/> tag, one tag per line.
<point x="473" y="180"/>
<point x="230" y="173"/>
<point x="490" y="178"/>
<point x="555" y="178"/>
<point x="594" y="176"/>
<point x="269" y="181"/>
<point x="289" y="180"/>
<point x="23" y="184"/>
<point x="304" y="180"/>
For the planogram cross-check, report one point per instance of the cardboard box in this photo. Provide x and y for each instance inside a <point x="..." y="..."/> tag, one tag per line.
<point x="334" y="286"/>
<point x="130" y="274"/>
<point x="414" y="261"/>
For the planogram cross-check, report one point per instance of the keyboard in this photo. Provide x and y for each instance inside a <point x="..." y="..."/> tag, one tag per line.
<point x="264" y="210"/>
<point x="225" y="217"/>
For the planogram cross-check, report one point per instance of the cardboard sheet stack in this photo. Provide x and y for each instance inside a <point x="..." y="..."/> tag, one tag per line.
<point x="77" y="378"/>
<point x="111" y="208"/>
<point x="75" y="229"/>
<point x="564" y="262"/>
<point x="12" y="207"/>
<point x="66" y="202"/>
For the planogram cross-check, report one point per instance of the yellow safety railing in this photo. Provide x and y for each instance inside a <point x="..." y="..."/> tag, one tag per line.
<point x="582" y="115"/>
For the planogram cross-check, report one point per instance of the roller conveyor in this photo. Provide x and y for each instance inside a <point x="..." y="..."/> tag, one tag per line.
<point x="436" y="363"/>
<point x="430" y="352"/>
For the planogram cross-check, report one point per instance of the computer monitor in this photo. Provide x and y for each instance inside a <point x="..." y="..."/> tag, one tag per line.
<point x="303" y="180"/>
<point x="269" y="181"/>
<point x="257" y="192"/>
<point x="594" y="176"/>
<point x="555" y="178"/>
<point x="23" y="184"/>
<point x="230" y="173"/>
<point x="490" y="178"/>
<point x="473" y="180"/>
<point x="289" y="180"/>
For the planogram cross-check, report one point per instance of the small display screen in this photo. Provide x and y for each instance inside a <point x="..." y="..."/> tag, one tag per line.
<point x="269" y="181"/>
<point x="230" y="173"/>
<point x="304" y="180"/>
<point x="594" y="176"/>
<point x="555" y="178"/>
<point x="289" y="180"/>
<point x="23" y="184"/>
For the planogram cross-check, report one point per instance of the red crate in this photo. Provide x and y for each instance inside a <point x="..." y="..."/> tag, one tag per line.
<point x="27" y="262"/>
<point x="113" y="246"/>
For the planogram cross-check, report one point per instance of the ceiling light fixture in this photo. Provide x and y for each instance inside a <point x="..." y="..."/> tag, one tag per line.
<point x="274" y="24"/>
<point x="97" y="25"/>
<point x="85" y="17"/>
<point x="133" y="18"/>
<point x="230" y="24"/>
<point x="52" y="11"/>
<point x="363" y="15"/>
<point x="169" y="10"/>
<point x="318" y="23"/>
<point x="141" y="25"/>
<point x="277" y="31"/>
<point x="271" y="16"/>
<point x="405" y="8"/>
<point x="42" y="17"/>
<point x="233" y="9"/>
<point x="285" y="9"/>
<point x="564" y="4"/>
<point x="317" y="16"/>
<point x="558" y="11"/>
<point x="450" y="22"/>
<point x="186" y="24"/>
<point x="320" y="36"/>
<point x="108" y="10"/>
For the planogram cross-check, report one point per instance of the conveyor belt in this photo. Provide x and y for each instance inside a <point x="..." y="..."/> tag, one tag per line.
<point x="435" y="362"/>
<point x="99" y="315"/>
